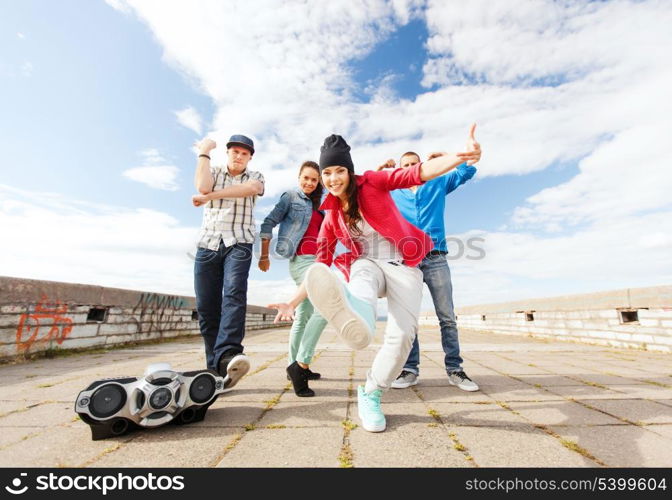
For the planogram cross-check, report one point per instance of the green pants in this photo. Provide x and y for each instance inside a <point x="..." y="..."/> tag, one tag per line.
<point x="308" y="323"/>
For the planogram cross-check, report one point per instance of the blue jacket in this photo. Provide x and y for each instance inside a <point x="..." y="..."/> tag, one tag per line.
<point x="424" y="208"/>
<point x="293" y="212"/>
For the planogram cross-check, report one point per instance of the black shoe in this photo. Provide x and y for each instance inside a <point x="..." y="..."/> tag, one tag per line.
<point x="311" y="374"/>
<point x="299" y="381"/>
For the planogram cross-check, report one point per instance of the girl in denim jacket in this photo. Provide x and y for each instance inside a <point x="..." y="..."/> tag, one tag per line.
<point x="384" y="251"/>
<point x="300" y="220"/>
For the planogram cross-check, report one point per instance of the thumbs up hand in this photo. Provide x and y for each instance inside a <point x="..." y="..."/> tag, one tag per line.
<point x="473" y="146"/>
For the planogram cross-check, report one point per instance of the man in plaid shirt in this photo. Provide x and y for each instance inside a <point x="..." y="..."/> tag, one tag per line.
<point x="224" y="253"/>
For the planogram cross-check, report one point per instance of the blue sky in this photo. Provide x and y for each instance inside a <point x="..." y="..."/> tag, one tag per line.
<point x="99" y="98"/>
<point x="96" y="96"/>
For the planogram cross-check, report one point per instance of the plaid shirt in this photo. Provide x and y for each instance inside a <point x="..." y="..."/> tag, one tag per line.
<point x="228" y="219"/>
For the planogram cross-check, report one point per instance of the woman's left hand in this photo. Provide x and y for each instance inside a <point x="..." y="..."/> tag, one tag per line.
<point x="285" y="312"/>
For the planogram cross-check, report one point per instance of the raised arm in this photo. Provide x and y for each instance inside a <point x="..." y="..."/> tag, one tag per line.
<point x="388" y="164"/>
<point x="203" y="179"/>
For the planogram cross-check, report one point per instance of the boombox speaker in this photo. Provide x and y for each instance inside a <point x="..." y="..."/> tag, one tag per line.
<point x="115" y="406"/>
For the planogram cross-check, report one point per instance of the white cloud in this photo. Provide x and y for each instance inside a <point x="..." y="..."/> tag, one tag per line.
<point x="21" y="36"/>
<point x="523" y="40"/>
<point x="56" y="238"/>
<point x="616" y="180"/>
<point x="119" y="5"/>
<point x="264" y="292"/>
<point x="152" y="156"/>
<point x="162" y="177"/>
<point x="548" y="83"/>
<point x="154" y="173"/>
<point x="283" y="77"/>
<point x="190" y="119"/>
<point x="27" y="69"/>
<point x="623" y="252"/>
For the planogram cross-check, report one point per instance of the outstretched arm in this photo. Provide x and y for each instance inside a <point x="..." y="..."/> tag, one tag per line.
<point x="203" y="177"/>
<point x="286" y="309"/>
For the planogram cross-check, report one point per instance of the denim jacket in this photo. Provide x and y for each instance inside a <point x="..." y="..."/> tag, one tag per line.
<point x="293" y="212"/>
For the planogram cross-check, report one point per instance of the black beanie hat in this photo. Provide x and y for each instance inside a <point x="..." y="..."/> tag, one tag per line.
<point x="335" y="151"/>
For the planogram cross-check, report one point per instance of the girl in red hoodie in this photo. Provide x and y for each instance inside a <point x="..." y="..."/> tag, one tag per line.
<point x="384" y="250"/>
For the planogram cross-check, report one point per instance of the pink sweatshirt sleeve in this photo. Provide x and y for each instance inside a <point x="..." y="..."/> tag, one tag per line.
<point x="398" y="178"/>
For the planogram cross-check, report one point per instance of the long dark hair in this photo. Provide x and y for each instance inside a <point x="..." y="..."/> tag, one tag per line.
<point x="353" y="206"/>
<point x="315" y="196"/>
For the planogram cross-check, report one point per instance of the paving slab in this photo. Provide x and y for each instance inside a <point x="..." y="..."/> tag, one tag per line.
<point x="261" y="422"/>
<point x="622" y="446"/>
<point x="521" y="446"/>
<point x="406" y="444"/>
<point x="225" y="413"/>
<point x="663" y="430"/>
<point x="58" y="446"/>
<point x="306" y="414"/>
<point x="524" y="393"/>
<point x="305" y="447"/>
<point x="14" y="435"/>
<point x="500" y="381"/>
<point x="448" y="394"/>
<point x="643" y="391"/>
<point x="562" y="413"/>
<point x="250" y="393"/>
<point x="171" y="446"/>
<point x="477" y="415"/>
<point x="634" y="410"/>
<point x="549" y="380"/>
<point x="41" y="415"/>
<point x="586" y="392"/>
<point x="609" y="380"/>
<point x="9" y="406"/>
<point x="407" y="395"/>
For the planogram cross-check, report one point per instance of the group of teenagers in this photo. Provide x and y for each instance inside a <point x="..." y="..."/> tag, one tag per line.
<point x="391" y="222"/>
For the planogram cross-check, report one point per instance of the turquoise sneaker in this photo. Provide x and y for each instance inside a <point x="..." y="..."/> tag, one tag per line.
<point x="370" y="413"/>
<point x="354" y="319"/>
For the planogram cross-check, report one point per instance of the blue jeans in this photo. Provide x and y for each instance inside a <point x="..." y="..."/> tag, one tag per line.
<point x="436" y="274"/>
<point x="220" y="282"/>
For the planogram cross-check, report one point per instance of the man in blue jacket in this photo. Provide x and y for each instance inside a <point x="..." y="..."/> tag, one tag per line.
<point x="423" y="206"/>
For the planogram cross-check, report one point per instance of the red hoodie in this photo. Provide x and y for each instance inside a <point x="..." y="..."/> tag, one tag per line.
<point x="380" y="211"/>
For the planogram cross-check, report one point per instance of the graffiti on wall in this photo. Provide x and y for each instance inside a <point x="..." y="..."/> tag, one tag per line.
<point x="46" y="324"/>
<point x="159" y="313"/>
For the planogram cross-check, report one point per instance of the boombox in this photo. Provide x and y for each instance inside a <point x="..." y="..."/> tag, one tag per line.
<point x="115" y="406"/>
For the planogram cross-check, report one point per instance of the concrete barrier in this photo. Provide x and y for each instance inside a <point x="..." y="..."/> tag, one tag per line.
<point x="38" y="316"/>
<point x="633" y="317"/>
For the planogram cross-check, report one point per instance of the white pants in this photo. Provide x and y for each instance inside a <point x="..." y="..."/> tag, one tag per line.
<point x="402" y="285"/>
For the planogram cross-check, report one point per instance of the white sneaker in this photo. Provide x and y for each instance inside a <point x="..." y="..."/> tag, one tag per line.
<point x="370" y="413"/>
<point x="404" y="380"/>
<point x="236" y="369"/>
<point x="353" y="319"/>
<point x="461" y="380"/>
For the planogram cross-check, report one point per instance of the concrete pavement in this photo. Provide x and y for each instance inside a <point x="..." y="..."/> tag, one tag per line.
<point x="541" y="404"/>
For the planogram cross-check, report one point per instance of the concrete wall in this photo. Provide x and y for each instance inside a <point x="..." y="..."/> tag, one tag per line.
<point x="634" y="317"/>
<point x="40" y="315"/>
